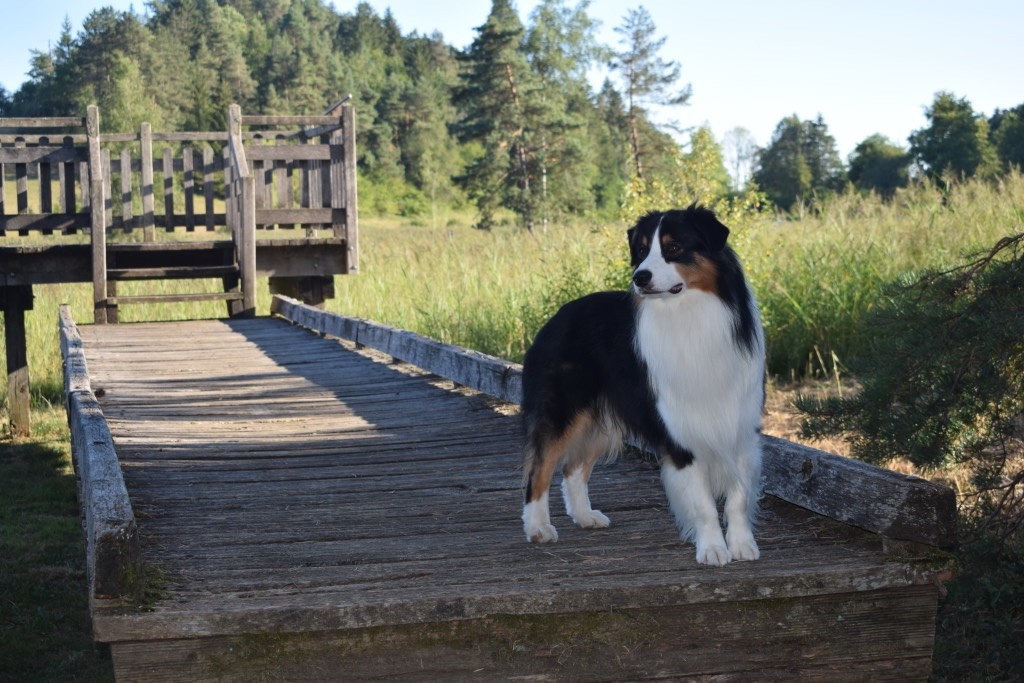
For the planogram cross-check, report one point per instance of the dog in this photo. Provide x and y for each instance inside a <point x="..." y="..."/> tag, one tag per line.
<point x="676" y="363"/>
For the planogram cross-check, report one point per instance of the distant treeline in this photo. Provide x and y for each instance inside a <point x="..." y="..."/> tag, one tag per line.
<point x="511" y="126"/>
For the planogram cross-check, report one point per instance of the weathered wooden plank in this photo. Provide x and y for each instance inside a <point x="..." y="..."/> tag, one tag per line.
<point x="146" y="176"/>
<point x="49" y="223"/>
<point x="288" y="152"/>
<point x="98" y="217"/>
<point x="66" y="180"/>
<point x="44" y="155"/>
<point x="889" y="503"/>
<point x="170" y="220"/>
<point x="286" y="217"/>
<point x="41" y="121"/>
<point x="338" y="492"/>
<point x="473" y="369"/>
<point x="126" y="188"/>
<point x="188" y="185"/>
<point x="703" y="642"/>
<point x="209" y="175"/>
<point x="112" y="543"/>
<point x="300" y="120"/>
<point x="21" y="180"/>
<point x="872" y="498"/>
<point x="351" y="193"/>
<point x="166" y="298"/>
<point x="14" y="301"/>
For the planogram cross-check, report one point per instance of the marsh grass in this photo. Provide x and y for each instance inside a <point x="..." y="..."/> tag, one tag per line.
<point x="815" y="275"/>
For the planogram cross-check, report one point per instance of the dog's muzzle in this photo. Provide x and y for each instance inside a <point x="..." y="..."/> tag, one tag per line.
<point x="642" y="280"/>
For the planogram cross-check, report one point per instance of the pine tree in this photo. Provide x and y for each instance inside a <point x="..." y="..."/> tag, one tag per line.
<point x="800" y="161"/>
<point x="494" y="78"/>
<point x="943" y="385"/>
<point x="646" y="77"/>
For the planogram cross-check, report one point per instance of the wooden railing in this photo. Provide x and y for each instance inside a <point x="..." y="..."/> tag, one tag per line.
<point x="241" y="201"/>
<point x="271" y="195"/>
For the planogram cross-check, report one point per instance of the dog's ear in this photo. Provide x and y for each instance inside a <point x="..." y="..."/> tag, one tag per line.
<point x="711" y="230"/>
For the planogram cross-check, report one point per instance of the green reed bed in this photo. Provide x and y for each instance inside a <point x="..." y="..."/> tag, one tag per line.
<point x="815" y="274"/>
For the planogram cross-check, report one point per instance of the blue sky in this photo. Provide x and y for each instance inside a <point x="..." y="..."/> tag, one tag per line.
<point x="867" y="66"/>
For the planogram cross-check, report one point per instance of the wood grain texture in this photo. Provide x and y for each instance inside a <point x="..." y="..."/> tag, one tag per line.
<point x="317" y="506"/>
<point x="111" y="533"/>
<point x="875" y="499"/>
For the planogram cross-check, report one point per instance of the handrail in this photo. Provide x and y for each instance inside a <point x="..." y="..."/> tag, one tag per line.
<point x="97" y="206"/>
<point x="242" y="194"/>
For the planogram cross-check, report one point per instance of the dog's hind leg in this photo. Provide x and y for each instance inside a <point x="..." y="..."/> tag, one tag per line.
<point x="541" y="457"/>
<point x="582" y="455"/>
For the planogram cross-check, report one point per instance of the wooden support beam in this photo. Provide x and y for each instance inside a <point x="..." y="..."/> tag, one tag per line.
<point x="245" y="231"/>
<point x="15" y="301"/>
<point x="97" y="203"/>
<point x="310" y="290"/>
<point x="348" y="117"/>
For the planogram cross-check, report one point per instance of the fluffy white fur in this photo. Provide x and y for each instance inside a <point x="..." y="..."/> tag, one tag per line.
<point x="537" y="521"/>
<point x="709" y="393"/>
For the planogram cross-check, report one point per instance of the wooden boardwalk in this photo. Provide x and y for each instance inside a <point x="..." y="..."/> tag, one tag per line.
<point x="308" y="511"/>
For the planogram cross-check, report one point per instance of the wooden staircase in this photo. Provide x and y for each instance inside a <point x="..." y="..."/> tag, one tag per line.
<point x="192" y="260"/>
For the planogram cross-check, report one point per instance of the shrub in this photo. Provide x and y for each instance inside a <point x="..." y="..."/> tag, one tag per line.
<point x="943" y="383"/>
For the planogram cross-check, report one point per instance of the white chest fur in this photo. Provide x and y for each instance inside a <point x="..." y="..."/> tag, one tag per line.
<point x="708" y="388"/>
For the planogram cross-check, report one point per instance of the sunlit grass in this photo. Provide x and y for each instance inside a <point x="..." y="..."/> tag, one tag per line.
<point x="815" y="276"/>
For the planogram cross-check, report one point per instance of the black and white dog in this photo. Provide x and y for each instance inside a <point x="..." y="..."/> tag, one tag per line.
<point x="677" y="363"/>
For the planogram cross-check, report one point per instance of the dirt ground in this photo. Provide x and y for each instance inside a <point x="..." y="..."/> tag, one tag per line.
<point x="782" y="419"/>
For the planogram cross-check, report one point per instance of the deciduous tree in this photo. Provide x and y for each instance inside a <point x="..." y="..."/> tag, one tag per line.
<point x="955" y="139"/>
<point x="879" y="165"/>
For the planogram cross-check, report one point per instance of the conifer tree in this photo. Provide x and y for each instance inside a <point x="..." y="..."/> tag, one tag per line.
<point x="646" y="77"/>
<point x="943" y="385"/>
<point x="494" y="81"/>
<point x="801" y="160"/>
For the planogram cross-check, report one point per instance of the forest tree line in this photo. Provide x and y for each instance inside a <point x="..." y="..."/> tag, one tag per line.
<point x="511" y="125"/>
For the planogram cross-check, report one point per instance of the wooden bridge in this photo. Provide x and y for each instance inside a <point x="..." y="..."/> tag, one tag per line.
<point x="265" y="501"/>
<point x="270" y="196"/>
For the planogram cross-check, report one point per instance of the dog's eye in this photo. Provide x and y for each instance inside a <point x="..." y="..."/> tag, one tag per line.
<point x="671" y="249"/>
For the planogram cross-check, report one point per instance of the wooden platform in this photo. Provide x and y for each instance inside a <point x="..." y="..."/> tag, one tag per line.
<point x="306" y="511"/>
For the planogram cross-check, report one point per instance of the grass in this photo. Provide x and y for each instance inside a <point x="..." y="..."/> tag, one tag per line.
<point x="45" y="633"/>
<point x="815" y="276"/>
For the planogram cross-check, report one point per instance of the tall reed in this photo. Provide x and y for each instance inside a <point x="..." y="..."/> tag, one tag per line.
<point x="815" y="275"/>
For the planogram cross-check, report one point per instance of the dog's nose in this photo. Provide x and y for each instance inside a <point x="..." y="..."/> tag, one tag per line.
<point x="642" y="278"/>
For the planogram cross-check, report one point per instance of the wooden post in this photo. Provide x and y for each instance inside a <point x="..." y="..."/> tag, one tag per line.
<point x="97" y="211"/>
<point x="246" y="234"/>
<point x="16" y="300"/>
<point x="148" y="198"/>
<point x="348" y="119"/>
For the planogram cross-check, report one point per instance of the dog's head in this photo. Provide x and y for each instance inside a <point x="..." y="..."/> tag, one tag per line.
<point x="675" y="251"/>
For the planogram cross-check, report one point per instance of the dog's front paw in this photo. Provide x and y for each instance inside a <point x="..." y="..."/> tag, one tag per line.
<point x="540" y="533"/>
<point x="593" y="519"/>
<point x="744" y="549"/>
<point x="714" y="555"/>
